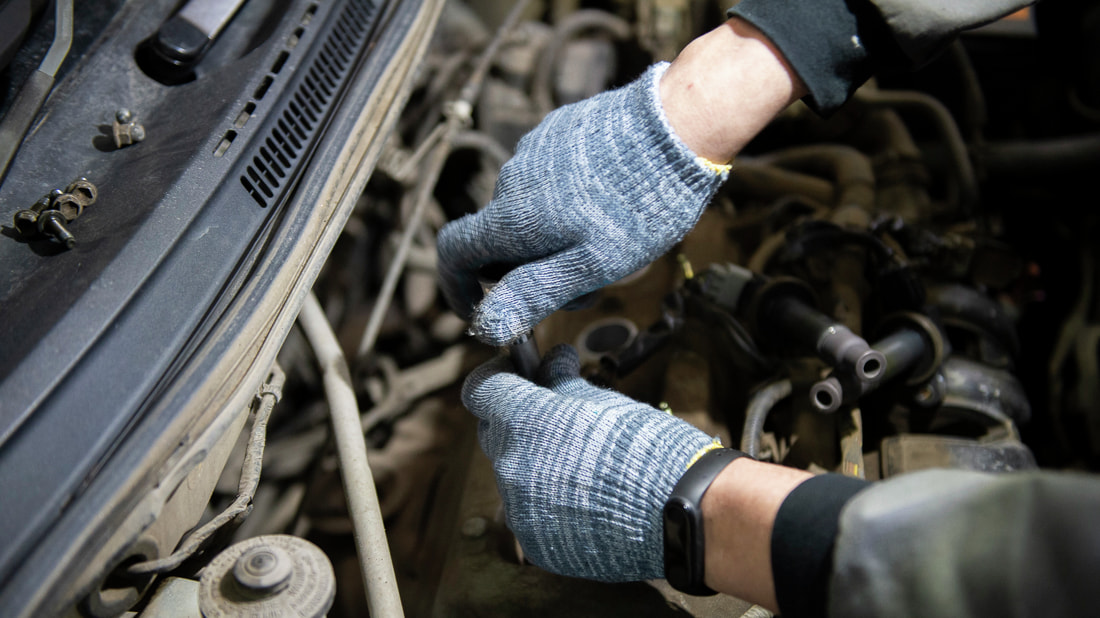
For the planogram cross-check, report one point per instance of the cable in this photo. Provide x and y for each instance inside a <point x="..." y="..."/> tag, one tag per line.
<point x="757" y="412"/>
<point x="268" y="396"/>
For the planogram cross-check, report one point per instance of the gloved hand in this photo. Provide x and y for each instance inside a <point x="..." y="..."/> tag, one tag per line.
<point x="599" y="189"/>
<point x="584" y="472"/>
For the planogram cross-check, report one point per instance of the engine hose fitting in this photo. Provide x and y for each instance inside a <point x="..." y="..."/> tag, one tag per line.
<point x="785" y="313"/>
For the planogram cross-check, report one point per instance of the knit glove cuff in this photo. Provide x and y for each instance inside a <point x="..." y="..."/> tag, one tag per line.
<point x="651" y="164"/>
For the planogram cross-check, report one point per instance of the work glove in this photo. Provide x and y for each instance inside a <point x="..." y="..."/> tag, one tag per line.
<point x="584" y="472"/>
<point x="599" y="189"/>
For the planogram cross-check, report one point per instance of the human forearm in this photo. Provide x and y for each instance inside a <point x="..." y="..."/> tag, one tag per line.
<point x="725" y="87"/>
<point x="769" y="532"/>
<point x="739" y="513"/>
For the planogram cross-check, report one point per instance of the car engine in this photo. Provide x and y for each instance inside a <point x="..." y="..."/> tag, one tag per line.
<point x="907" y="283"/>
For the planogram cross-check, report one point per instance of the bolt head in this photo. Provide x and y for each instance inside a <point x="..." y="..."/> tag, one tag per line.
<point x="83" y="190"/>
<point x="26" y="221"/>
<point x="69" y="206"/>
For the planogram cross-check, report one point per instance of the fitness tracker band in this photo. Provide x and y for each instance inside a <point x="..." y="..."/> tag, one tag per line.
<point x="683" y="523"/>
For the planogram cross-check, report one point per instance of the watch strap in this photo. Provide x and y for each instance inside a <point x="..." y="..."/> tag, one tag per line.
<point x="683" y="522"/>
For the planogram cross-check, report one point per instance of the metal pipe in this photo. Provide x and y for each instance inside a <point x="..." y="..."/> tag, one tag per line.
<point x="379" y="579"/>
<point x="1076" y="154"/>
<point x="422" y="198"/>
<point x="564" y="31"/>
<point x="759" y="178"/>
<point x="62" y="41"/>
<point x="850" y="169"/>
<point x="485" y="144"/>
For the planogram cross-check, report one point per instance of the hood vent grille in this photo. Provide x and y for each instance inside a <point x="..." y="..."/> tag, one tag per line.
<point x="305" y="110"/>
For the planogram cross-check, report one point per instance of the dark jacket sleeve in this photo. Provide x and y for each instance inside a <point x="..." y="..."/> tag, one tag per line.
<point x="961" y="543"/>
<point x="941" y="543"/>
<point x="836" y="45"/>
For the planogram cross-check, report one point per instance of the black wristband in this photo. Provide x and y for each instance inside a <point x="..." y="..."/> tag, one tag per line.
<point x="805" y="529"/>
<point x="683" y="523"/>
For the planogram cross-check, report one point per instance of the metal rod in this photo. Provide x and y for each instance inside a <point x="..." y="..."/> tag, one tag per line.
<point x="33" y="93"/>
<point x="379" y="580"/>
<point x="935" y="110"/>
<point x="457" y="117"/>
<point x="62" y="39"/>
<point x="385" y="295"/>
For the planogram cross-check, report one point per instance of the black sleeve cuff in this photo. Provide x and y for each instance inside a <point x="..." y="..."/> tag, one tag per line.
<point x="833" y="45"/>
<point x="802" y="542"/>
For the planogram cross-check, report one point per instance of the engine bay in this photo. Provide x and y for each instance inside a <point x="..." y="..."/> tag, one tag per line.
<point x="899" y="286"/>
<point x="907" y="283"/>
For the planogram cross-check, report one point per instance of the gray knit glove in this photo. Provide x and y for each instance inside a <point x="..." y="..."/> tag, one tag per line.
<point x="584" y="472"/>
<point x="599" y="189"/>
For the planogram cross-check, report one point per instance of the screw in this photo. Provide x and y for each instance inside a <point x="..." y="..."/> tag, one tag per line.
<point x="127" y="130"/>
<point x="83" y="190"/>
<point x="69" y="205"/>
<point x="52" y="222"/>
<point x="26" y="221"/>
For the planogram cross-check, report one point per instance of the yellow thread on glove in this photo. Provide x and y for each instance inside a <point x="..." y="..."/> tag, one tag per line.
<point x="717" y="168"/>
<point x="716" y="444"/>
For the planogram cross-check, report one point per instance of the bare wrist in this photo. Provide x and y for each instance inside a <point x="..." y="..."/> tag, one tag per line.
<point x="739" y="513"/>
<point x="726" y="86"/>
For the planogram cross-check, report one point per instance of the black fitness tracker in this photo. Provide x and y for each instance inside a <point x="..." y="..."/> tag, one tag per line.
<point x="683" y="522"/>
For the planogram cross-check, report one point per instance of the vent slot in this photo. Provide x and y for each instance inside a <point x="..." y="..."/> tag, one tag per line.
<point x="261" y="91"/>
<point x="224" y="144"/>
<point x="279" y="62"/>
<point x="305" y="109"/>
